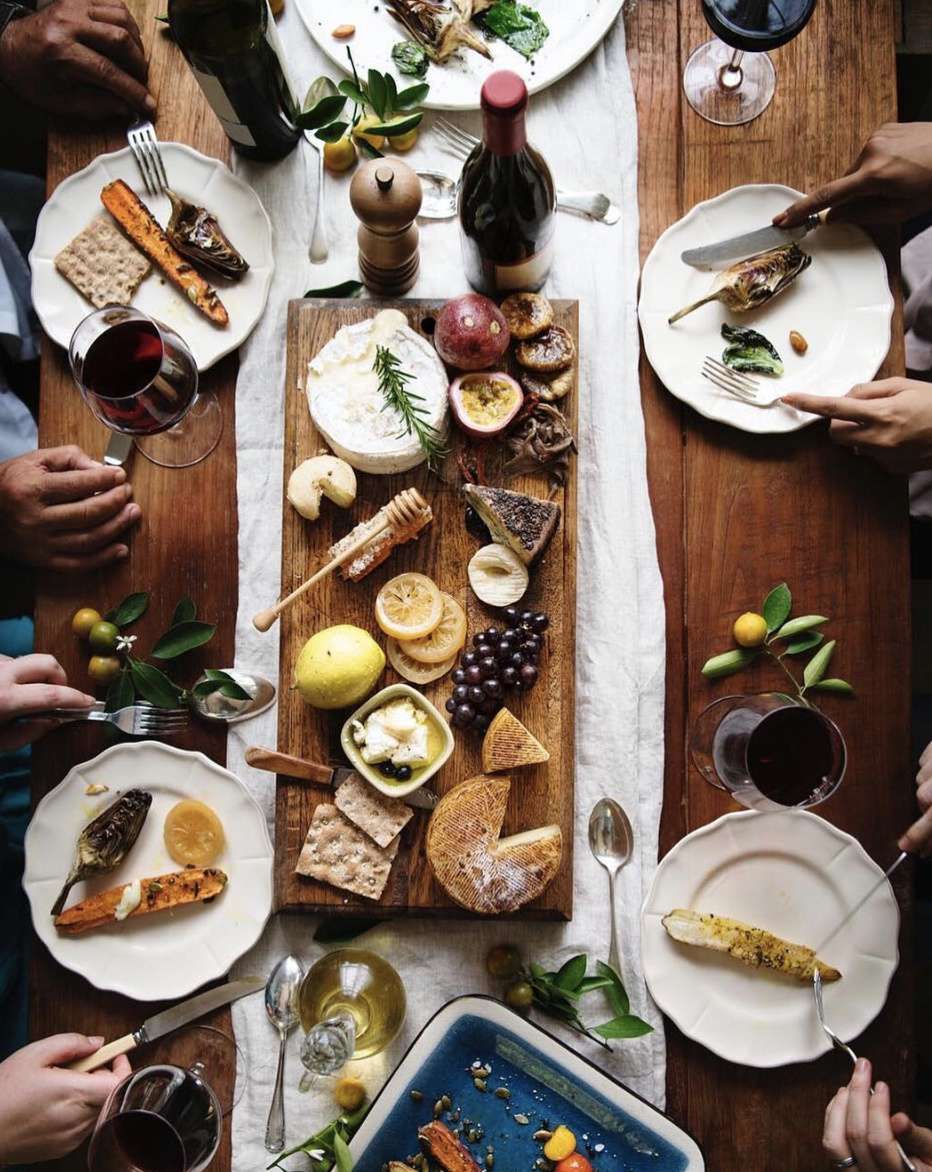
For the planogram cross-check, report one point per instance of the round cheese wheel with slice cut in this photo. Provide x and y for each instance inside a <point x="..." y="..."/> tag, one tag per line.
<point x="477" y="868"/>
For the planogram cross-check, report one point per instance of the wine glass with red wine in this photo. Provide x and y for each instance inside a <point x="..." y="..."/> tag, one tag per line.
<point x="139" y="377"/>
<point x="770" y="752"/>
<point x="721" y="82"/>
<point x="159" y="1119"/>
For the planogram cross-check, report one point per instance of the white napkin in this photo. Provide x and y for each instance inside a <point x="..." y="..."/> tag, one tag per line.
<point x="586" y="127"/>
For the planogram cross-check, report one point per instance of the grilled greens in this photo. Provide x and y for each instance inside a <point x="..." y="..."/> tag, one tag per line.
<point x="519" y="26"/>
<point x="410" y="58"/>
<point x="197" y="235"/>
<point x="750" y="352"/>
<point x="104" y="842"/>
<point x="751" y="283"/>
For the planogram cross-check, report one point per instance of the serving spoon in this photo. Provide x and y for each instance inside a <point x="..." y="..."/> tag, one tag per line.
<point x="611" y="841"/>
<point x="281" y="1005"/>
<point x="440" y="191"/>
<point x="216" y="706"/>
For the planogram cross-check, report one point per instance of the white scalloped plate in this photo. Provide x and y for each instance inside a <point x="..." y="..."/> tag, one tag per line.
<point x="168" y="954"/>
<point x="841" y="304"/>
<point x="204" y="181"/>
<point x="793" y="874"/>
<point x="575" y="30"/>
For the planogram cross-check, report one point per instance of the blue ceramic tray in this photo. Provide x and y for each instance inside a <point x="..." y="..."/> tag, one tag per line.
<point x="547" y="1082"/>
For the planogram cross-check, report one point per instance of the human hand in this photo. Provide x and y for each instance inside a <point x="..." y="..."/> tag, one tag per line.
<point x="79" y="58"/>
<point x="859" y="1125"/>
<point x="890" y="420"/>
<point x="62" y="510"/>
<point x="29" y="684"/>
<point x="890" y="180"/>
<point x="918" y="839"/>
<point x="46" y="1111"/>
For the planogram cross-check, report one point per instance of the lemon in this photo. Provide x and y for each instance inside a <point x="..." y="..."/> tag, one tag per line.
<point x="349" y="1093"/>
<point x="403" y="142"/>
<point x="338" y="667"/>
<point x="416" y="673"/>
<point x="409" y="606"/>
<point x="444" y="640"/>
<point x="359" y="131"/>
<point x="193" y="834"/>
<point x="340" y="155"/>
<point x="750" y="629"/>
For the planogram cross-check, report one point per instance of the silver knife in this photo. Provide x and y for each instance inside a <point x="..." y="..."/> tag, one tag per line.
<point x="119" y="447"/>
<point x="711" y="256"/>
<point x="861" y="902"/>
<point x="170" y="1020"/>
<point x="274" y="762"/>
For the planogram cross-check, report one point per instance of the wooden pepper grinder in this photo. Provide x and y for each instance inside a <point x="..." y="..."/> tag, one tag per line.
<point x="386" y="197"/>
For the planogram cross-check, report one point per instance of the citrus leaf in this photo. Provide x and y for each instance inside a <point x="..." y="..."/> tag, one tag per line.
<point x="805" y="622"/>
<point x="184" y="637"/>
<point x="729" y="662"/>
<point x="571" y="974"/>
<point x="391" y="93"/>
<point x="397" y="126"/>
<point x="133" y="607"/>
<point x="154" y="685"/>
<point x="816" y="667"/>
<point x="184" y="611"/>
<point x="121" y="692"/>
<point x="344" y="289"/>
<point x="412" y="96"/>
<point x="366" y="148"/>
<point x="590" y="984"/>
<point x="625" y="1026"/>
<point x="616" y="994"/>
<point x="322" y="112"/>
<point x="332" y="133"/>
<point x="776" y="607"/>
<point x="354" y="92"/>
<point x="841" y="687"/>
<point x="342" y="1153"/>
<point x="377" y="92"/>
<point x="804" y="643"/>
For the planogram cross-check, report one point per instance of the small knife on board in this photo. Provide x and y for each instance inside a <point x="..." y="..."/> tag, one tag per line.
<point x="274" y="762"/>
<point x="713" y="256"/>
<point x="170" y="1020"/>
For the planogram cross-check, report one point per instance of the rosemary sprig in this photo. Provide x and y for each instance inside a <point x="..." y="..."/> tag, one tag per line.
<point x="393" y="385"/>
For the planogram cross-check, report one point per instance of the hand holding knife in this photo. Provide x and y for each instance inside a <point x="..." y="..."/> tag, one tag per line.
<point x="713" y="256"/>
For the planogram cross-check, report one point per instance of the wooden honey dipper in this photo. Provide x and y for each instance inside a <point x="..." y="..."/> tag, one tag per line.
<point x="400" y="513"/>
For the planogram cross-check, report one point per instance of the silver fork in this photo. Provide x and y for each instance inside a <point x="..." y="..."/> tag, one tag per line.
<point x="735" y="382"/>
<point x="145" y="147"/>
<point x="593" y="204"/>
<point x="908" y="1165"/>
<point x="139" y="720"/>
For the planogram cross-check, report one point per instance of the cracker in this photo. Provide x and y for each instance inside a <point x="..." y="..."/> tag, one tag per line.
<point x="381" y="817"/>
<point x="102" y="264"/>
<point x="339" y="853"/>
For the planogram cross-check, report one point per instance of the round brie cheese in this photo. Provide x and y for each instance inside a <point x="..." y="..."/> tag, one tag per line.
<point x="348" y="407"/>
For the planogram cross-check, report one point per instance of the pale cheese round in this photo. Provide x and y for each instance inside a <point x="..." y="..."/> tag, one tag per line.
<point x="348" y="407"/>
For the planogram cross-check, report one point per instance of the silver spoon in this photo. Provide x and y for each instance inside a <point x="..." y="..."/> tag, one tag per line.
<point x="281" y="1005"/>
<point x="611" y="841"/>
<point x="440" y="192"/>
<point x="216" y="706"/>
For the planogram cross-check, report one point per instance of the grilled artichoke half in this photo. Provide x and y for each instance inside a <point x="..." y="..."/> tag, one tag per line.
<point x="753" y="282"/>
<point x="106" y="840"/>
<point x="196" y="234"/>
<point x="441" y="28"/>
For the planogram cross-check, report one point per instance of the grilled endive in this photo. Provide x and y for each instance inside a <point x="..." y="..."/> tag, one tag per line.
<point x="751" y="283"/>
<point x="104" y="842"/>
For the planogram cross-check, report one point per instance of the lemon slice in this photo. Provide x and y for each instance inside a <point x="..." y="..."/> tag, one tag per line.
<point x="444" y="640"/>
<point x="193" y="834"/>
<point x="411" y="670"/>
<point x="408" y="607"/>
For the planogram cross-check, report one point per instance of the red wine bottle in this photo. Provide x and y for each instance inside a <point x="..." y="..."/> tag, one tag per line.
<point x="507" y="200"/>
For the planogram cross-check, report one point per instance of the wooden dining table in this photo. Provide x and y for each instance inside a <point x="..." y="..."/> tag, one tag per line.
<point x="735" y="513"/>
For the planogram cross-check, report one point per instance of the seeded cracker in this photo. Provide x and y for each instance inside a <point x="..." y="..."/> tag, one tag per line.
<point x="103" y="265"/>
<point x="381" y="817"/>
<point x="337" y="852"/>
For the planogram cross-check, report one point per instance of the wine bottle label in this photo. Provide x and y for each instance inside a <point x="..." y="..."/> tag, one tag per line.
<point x="221" y="105"/>
<point x="529" y="273"/>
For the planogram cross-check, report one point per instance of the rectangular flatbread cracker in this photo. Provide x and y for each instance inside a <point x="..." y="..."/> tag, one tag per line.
<point x="337" y="852"/>
<point x="381" y="817"/>
<point x="103" y="265"/>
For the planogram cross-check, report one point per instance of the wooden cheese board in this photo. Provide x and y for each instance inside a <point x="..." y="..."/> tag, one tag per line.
<point x="540" y="795"/>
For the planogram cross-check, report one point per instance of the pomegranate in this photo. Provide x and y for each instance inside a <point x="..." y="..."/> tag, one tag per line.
<point x="471" y="333"/>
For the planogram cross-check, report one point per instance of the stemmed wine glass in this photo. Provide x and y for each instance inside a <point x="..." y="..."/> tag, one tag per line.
<point x="721" y="83"/>
<point x="139" y="377"/>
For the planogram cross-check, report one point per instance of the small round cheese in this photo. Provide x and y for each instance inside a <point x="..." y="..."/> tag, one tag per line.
<point x="348" y="406"/>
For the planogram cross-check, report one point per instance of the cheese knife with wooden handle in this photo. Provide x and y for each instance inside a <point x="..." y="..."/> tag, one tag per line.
<point x="274" y="762"/>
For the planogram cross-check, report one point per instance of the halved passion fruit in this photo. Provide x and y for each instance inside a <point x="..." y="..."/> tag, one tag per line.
<point x="485" y="402"/>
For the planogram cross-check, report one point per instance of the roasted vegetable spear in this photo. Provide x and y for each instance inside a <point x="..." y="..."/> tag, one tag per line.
<point x="751" y="283"/>
<point x="104" y="842"/>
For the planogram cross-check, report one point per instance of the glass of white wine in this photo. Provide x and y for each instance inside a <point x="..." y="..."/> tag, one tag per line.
<point x="351" y="1005"/>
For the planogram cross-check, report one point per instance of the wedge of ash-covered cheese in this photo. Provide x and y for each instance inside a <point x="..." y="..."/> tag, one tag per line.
<point x="349" y="408"/>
